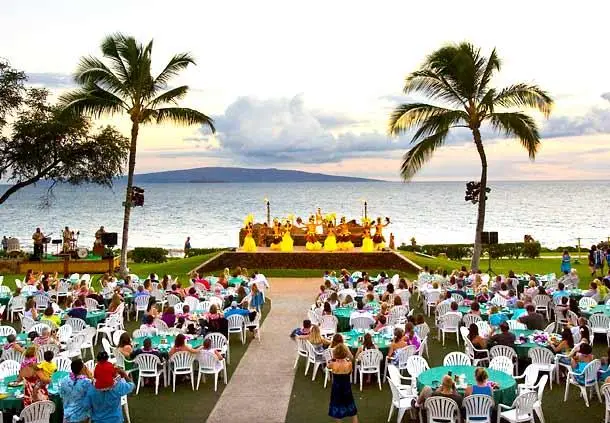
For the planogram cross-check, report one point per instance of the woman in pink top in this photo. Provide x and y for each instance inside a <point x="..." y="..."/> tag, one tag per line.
<point x="411" y="337"/>
<point x="181" y="345"/>
<point x="213" y="314"/>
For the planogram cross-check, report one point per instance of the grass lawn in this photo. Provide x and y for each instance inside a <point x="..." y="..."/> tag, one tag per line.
<point x="309" y="400"/>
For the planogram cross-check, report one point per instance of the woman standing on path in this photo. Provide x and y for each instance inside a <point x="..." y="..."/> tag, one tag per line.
<point x="341" y="399"/>
<point x="566" y="262"/>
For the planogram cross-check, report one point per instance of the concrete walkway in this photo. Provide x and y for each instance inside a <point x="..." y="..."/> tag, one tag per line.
<point x="260" y="388"/>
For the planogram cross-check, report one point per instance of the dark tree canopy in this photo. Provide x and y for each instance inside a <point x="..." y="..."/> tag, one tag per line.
<point x="12" y="90"/>
<point x="46" y="144"/>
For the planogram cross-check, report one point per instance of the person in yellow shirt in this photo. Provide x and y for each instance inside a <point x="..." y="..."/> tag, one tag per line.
<point x="50" y="316"/>
<point x="47" y="366"/>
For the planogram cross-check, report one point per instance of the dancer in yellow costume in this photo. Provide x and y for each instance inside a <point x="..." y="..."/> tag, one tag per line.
<point x="330" y="243"/>
<point x="277" y="235"/>
<point x="249" y="243"/>
<point x="287" y="243"/>
<point x="312" y="240"/>
<point x="367" y="242"/>
<point x="378" y="239"/>
<point x="345" y="239"/>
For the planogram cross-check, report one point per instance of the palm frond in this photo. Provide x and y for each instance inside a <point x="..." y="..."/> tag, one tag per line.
<point x="419" y="154"/>
<point x="486" y="104"/>
<point x="111" y="52"/>
<point x="493" y="64"/>
<point x="92" y="100"/>
<point x="406" y="116"/>
<point x="518" y="125"/>
<point x="176" y="64"/>
<point x="93" y="71"/>
<point x="170" y="96"/>
<point x="524" y="95"/>
<point x="433" y="85"/>
<point x="441" y="122"/>
<point x="183" y="116"/>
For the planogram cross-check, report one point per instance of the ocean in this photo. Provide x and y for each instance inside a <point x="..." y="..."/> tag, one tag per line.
<point x="555" y="213"/>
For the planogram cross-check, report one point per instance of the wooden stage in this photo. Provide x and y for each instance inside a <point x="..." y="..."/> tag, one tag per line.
<point x="69" y="266"/>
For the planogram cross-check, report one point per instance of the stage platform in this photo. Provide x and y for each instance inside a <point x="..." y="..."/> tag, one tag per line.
<point x="265" y="258"/>
<point x="69" y="266"/>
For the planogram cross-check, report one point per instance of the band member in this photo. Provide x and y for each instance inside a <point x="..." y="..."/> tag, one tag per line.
<point x="38" y="236"/>
<point x="319" y="222"/>
<point x="378" y="239"/>
<point x="67" y="239"/>
<point x="98" y="236"/>
<point x="312" y="239"/>
<point x="187" y="246"/>
<point x="277" y="235"/>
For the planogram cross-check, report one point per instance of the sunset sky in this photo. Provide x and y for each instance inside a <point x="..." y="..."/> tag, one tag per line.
<point x="310" y="85"/>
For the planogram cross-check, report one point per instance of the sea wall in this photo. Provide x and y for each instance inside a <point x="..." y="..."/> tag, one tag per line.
<point x="309" y="260"/>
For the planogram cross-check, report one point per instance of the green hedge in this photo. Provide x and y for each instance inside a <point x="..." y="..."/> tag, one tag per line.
<point x="202" y="251"/>
<point x="463" y="251"/>
<point x="149" y="255"/>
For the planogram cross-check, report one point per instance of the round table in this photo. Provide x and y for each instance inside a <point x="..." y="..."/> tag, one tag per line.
<point x="343" y="314"/>
<point x="588" y="312"/>
<point x="522" y="349"/>
<point x="11" y="402"/>
<point x="484" y="311"/>
<point x="93" y="317"/>
<point x="351" y="340"/>
<point x="5" y="298"/>
<point x="469" y="293"/>
<point x="505" y="394"/>
<point x="157" y="342"/>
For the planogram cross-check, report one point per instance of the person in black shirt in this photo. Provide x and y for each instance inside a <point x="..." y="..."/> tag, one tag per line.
<point x="505" y="337"/>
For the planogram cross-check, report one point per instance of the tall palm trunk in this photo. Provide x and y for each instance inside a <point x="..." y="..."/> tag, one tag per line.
<point x="478" y="247"/>
<point x="135" y="126"/>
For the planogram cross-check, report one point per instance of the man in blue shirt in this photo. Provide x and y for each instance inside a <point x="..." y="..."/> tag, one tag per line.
<point x="234" y="309"/>
<point x="105" y="402"/>
<point x="561" y="292"/>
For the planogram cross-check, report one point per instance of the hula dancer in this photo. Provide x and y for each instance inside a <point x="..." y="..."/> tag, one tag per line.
<point x="345" y="239"/>
<point x="287" y="244"/>
<point x="277" y="235"/>
<point x="330" y="243"/>
<point x="378" y="239"/>
<point x="249" y="243"/>
<point x="367" y="242"/>
<point x="312" y="239"/>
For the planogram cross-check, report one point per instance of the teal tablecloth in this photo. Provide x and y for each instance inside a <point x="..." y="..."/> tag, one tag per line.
<point x="343" y="313"/>
<point x="4" y="299"/>
<point x="22" y="338"/>
<point x="93" y="317"/>
<point x="597" y="309"/>
<point x="351" y="339"/>
<point x="157" y="342"/>
<point x="523" y="348"/>
<point x="484" y="311"/>
<point x="505" y="394"/>
<point x="13" y="403"/>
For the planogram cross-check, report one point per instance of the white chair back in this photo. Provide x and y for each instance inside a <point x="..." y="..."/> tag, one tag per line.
<point x="362" y="322"/>
<point x="148" y="364"/>
<point x="161" y="326"/>
<point x="38" y="412"/>
<point x="478" y="408"/>
<point x="192" y="302"/>
<point x="91" y="304"/>
<point x="515" y="325"/>
<point x="182" y="360"/>
<point x="456" y="358"/>
<point x="586" y="302"/>
<point x="469" y="319"/>
<point x="503" y="364"/>
<point x="39" y="327"/>
<point x="416" y="365"/>
<point x="540" y="355"/>
<point x="64" y="333"/>
<point x="44" y="348"/>
<point x="370" y="360"/>
<point x="63" y="364"/>
<point x="9" y="368"/>
<point x="7" y="330"/>
<point x="457" y="298"/>
<point x="12" y="354"/>
<point x="77" y="325"/>
<point x="441" y="408"/>
<point x="172" y="300"/>
<point x="498" y="301"/>
<point x="484" y="328"/>
<point x="402" y="355"/>
<point x="599" y="322"/>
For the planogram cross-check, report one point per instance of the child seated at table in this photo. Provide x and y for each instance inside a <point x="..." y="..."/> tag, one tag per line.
<point x="47" y="366"/>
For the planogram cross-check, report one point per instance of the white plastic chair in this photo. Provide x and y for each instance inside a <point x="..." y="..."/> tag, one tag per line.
<point x="590" y="381"/>
<point x="402" y="356"/>
<point x="7" y="330"/>
<point x="431" y="300"/>
<point x="522" y="409"/>
<point x="63" y="364"/>
<point x="220" y="343"/>
<point x="450" y="323"/>
<point x="505" y="351"/>
<point x="395" y="376"/>
<point x="181" y="363"/>
<point x="91" y="304"/>
<point x="478" y="408"/>
<point x="314" y="358"/>
<point x="108" y="348"/>
<point x="416" y="365"/>
<point x="503" y="364"/>
<point x="301" y="350"/>
<point x="172" y="300"/>
<point x="46" y="347"/>
<point x="141" y="303"/>
<point x="586" y="302"/>
<point x="90" y="365"/>
<point x="39" y="327"/>
<point x="600" y="323"/>
<point x="328" y="325"/>
<point x="12" y="354"/>
<point x="89" y="333"/>
<point x="369" y="362"/>
<point x="606" y="393"/>
<point x="16" y="305"/>
<point x="469" y="319"/>
<point x="476" y="355"/>
<point x="161" y="326"/>
<point x="73" y="348"/>
<point x="457" y="298"/>
<point x="116" y="336"/>
<point x="112" y="323"/>
<point x="544" y="360"/>
<point x="237" y="324"/>
<point x="456" y="358"/>
<point x="543" y="304"/>
<point x="42" y="301"/>
<point x="9" y="368"/>
<point x="38" y="412"/>
<point x="77" y="325"/>
<point x="362" y="322"/>
<point x="192" y="302"/>
<point x="484" y="328"/>
<point x="400" y="401"/>
<point x="64" y="334"/>
<point x="515" y="325"/>
<point x="498" y="301"/>
<point x="441" y="408"/>
<point x="149" y="365"/>
<point x="210" y="365"/>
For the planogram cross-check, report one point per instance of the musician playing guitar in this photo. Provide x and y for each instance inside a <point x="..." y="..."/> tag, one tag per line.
<point x="67" y="239"/>
<point x="98" y="245"/>
<point x="38" y="237"/>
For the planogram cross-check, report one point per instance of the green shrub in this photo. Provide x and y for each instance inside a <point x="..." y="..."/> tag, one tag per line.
<point x="531" y="249"/>
<point x="148" y="255"/>
<point x="463" y="251"/>
<point x="201" y="251"/>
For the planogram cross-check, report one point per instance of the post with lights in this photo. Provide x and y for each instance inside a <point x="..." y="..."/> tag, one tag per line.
<point x="366" y="210"/>
<point x="268" y="205"/>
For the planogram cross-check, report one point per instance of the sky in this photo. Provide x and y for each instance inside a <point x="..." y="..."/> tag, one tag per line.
<point x="310" y="85"/>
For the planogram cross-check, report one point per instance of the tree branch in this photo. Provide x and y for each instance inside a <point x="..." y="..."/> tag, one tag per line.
<point x="13" y="189"/>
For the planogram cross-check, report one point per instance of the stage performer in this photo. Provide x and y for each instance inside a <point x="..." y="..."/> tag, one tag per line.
<point x="67" y="236"/>
<point x="319" y="222"/>
<point x="330" y="243"/>
<point x="249" y="243"/>
<point x="378" y="239"/>
<point x="38" y="237"/>
<point x="345" y="239"/>
<point x="367" y="242"/>
<point x="277" y="235"/>
<point x="287" y="244"/>
<point x="312" y="240"/>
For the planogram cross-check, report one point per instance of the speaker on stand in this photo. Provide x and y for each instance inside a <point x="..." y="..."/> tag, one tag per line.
<point x="489" y="238"/>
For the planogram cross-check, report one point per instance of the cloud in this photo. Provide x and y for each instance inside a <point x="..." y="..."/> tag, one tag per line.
<point x="51" y="80"/>
<point x="606" y="96"/>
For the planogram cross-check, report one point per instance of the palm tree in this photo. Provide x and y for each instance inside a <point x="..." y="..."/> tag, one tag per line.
<point x="123" y="83"/>
<point x="456" y="78"/>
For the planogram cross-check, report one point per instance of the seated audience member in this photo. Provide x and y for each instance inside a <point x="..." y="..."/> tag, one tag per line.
<point x="519" y="310"/>
<point x="169" y="316"/>
<point x="315" y="338"/>
<point x="496" y="317"/>
<point x="235" y="309"/>
<point x="303" y="331"/>
<point x="146" y="348"/>
<point x="50" y="316"/>
<point x="481" y="386"/>
<point x="505" y="337"/>
<point x="447" y="390"/>
<point x="361" y="312"/>
<point x="78" y="310"/>
<point x="592" y="292"/>
<point x="533" y="320"/>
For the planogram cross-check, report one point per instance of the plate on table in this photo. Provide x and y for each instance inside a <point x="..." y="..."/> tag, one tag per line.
<point x="15" y="384"/>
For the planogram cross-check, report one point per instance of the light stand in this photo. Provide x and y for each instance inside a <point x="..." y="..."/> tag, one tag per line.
<point x="268" y="204"/>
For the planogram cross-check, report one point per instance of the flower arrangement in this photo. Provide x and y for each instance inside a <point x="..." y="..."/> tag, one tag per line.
<point x="541" y="338"/>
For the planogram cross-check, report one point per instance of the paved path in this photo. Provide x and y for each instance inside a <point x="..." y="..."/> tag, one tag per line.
<point x="260" y="388"/>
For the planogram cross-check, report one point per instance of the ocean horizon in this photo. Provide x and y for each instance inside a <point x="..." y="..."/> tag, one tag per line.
<point x="554" y="212"/>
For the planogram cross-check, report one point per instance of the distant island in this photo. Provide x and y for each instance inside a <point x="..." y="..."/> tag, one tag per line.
<point x="238" y="174"/>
